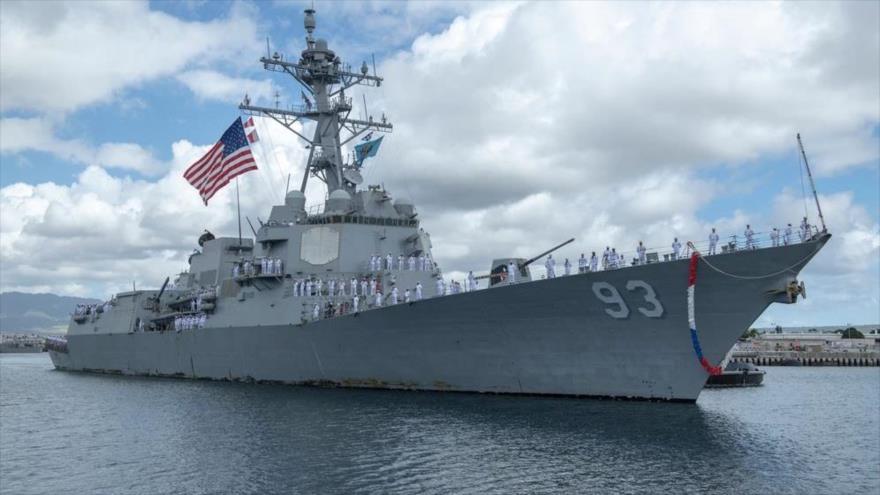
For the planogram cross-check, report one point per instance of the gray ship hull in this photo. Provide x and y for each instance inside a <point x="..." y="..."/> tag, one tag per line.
<point x="543" y="337"/>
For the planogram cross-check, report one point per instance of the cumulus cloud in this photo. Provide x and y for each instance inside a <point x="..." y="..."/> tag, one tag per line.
<point x="213" y="85"/>
<point x="518" y="126"/>
<point x="99" y="233"/>
<point x="38" y="134"/>
<point x="97" y="49"/>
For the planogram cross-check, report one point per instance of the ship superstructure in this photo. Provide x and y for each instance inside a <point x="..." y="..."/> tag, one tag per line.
<point x="349" y="294"/>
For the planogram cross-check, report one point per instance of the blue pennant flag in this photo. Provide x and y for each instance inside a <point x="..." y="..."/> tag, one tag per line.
<point x="366" y="150"/>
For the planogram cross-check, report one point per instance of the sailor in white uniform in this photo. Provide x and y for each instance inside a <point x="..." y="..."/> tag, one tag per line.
<point x="606" y="258"/>
<point x="750" y="237"/>
<point x="354" y="286"/>
<point x="411" y="262"/>
<point x="614" y="258"/>
<point x="643" y="259"/>
<point x="471" y="281"/>
<point x="511" y="272"/>
<point x="567" y="267"/>
<point x="354" y="304"/>
<point x="805" y="230"/>
<point x="394" y="293"/>
<point x="388" y="261"/>
<point x="364" y="287"/>
<point x="418" y="291"/>
<point x="676" y="248"/>
<point x="400" y="261"/>
<point x="713" y="241"/>
<point x="316" y="311"/>
<point x="406" y="296"/>
<point x="774" y="237"/>
<point x="440" y="287"/>
<point x="594" y="262"/>
<point x="582" y="264"/>
<point x="378" y="298"/>
<point x="421" y="262"/>
<point x="550" y="265"/>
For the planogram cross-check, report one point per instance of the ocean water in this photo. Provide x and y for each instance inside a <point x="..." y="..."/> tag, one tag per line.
<point x="808" y="430"/>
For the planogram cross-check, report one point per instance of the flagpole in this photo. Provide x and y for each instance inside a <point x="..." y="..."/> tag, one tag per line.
<point x="238" y="207"/>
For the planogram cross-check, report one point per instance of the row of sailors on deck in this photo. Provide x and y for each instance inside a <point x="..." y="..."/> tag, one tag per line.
<point x="377" y="299"/>
<point x="195" y="304"/>
<point x="421" y="263"/>
<point x="91" y="309"/>
<point x="190" y="322"/>
<point x="266" y="266"/>
<point x="336" y="287"/>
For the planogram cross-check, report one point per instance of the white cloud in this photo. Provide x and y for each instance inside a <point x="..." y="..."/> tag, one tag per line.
<point x="38" y="134"/>
<point x="520" y="126"/>
<point x="212" y="85"/>
<point x="99" y="233"/>
<point x="95" y="50"/>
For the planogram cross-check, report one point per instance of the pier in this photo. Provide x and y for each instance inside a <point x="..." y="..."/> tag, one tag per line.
<point x="808" y="349"/>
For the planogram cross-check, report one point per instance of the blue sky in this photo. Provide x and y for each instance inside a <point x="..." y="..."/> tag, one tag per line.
<point x="466" y="83"/>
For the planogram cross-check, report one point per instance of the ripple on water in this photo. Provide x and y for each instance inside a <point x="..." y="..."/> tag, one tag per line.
<point x="809" y="430"/>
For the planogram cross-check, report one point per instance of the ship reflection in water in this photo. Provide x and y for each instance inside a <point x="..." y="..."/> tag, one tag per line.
<point x="807" y="430"/>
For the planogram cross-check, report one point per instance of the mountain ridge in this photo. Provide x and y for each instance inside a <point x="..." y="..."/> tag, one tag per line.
<point x="23" y="312"/>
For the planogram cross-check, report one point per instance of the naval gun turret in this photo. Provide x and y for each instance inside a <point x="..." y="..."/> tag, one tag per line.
<point x="498" y="273"/>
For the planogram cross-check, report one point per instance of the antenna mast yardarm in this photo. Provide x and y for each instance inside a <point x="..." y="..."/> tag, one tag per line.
<point x="325" y="78"/>
<point x="812" y="184"/>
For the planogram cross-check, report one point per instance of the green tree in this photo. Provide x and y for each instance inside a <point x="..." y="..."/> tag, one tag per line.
<point x="851" y="333"/>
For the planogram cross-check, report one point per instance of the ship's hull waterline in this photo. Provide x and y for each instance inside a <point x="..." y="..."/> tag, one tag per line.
<point x="553" y="337"/>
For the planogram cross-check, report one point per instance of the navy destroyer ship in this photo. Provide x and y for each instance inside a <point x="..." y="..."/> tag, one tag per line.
<point x="348" y="294"/>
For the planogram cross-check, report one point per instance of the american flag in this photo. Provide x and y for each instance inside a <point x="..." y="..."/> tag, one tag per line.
<point x="229" y="158"/>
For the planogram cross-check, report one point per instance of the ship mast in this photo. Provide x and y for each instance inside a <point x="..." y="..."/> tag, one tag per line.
<point x="324" y="79"/>
<point x="812" y="184"/>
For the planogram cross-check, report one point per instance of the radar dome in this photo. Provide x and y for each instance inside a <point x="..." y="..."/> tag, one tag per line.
<point x="404" y="207"/>
<point x="339" y="201"/>
<point x="296" y="200"/>
<point x="340" y="194"/>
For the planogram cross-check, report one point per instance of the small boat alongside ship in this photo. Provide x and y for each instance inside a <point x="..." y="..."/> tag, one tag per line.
<point x="737" y="375"/>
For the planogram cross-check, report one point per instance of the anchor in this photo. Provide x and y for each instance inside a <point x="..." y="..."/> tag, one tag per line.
<point x="791" y="291"/>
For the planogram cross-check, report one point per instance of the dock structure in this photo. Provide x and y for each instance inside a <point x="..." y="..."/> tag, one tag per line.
<point x="808" y="349"/>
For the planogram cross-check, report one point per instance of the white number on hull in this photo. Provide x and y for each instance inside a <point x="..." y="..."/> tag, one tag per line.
<point x="656" y="310"/>
<point x="608" y="294"/>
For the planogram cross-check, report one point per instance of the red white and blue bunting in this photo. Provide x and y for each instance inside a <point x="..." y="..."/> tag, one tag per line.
<point x="692" y="282"/>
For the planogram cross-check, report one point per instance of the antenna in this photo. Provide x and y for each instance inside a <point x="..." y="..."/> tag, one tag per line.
<point x="374" y="63"/>
<point x="812" y="183"/>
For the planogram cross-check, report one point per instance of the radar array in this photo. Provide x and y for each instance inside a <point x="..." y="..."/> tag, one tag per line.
<point x="324" y="79"/>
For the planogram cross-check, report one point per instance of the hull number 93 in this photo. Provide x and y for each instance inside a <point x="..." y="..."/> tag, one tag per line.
<point x="617" y="307"/>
